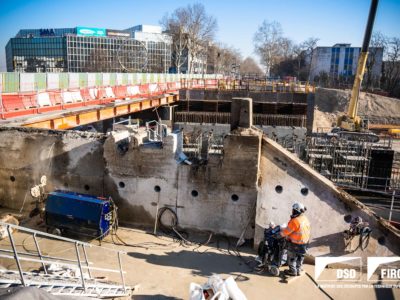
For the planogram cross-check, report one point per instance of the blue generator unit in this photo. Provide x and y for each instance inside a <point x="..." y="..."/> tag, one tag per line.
<point x="87" y="215"/>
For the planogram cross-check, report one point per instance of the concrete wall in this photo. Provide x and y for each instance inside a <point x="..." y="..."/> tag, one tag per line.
<point x="70" y="160"/>
<point x="326" y="205"/>
<point x="89" y="163"/>
<point x="267" y="97"/>
<point x="141" y="168"/>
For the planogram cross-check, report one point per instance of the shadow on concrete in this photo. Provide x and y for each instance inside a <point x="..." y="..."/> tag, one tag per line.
<point x="383" y="293"/>
<point x="202" y="264"/>
<point x="153" y="297"/>
<point x="334" y="242"/>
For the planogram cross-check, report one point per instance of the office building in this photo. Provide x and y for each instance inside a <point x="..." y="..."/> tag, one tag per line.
<point x="87" y="49"/>
<point x="341" y="60"/>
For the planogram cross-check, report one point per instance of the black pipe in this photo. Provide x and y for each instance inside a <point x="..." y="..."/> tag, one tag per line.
<point x="370" y="25"/>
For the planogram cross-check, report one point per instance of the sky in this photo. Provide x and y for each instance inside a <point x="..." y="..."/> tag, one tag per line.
<point x="332" y="21"/>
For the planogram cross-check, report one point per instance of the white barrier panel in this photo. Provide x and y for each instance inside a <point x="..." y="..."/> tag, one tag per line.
<point x="130" y="78"/>
<point x="153" y="87"/>
<point x="91" y="79"/>
<point x="67" y="97"/>
<point x="133" y="90"/>
<point x="27" y="82"/>
<point x="43" y="99"/>
<point x="73" y="80"/>
<point x="53" y="81"/>
<point x="106" y="79"/>
<point x="110" y="93"/>
<point x="119" y="79"/>
<point x="76" y="97"/>
<point x="93" y="93"/>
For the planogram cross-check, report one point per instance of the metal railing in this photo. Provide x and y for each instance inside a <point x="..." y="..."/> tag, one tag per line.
<point x="84" y="284"/>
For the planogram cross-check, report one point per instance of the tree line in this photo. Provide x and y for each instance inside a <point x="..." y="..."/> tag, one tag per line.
<point x="193" y="33"/>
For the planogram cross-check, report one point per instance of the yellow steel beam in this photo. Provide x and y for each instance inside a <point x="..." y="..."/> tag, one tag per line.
<point x="98" y="114"/>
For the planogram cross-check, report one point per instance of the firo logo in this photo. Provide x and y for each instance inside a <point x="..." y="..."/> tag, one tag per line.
<point x="346" y="274"/>
<point x="390" y="273"/>
<point x="387" y="268"/>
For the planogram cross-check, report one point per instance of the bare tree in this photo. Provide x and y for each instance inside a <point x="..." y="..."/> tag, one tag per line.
<point x="309" y="46"/>
<point x="228" y="59"/>
<point x="268" y="44"/>
<point x="378" y="43"/>
<point x="249" y="66"/>
<point x="391" y="70"/>
<point x="192" y="30"/>
<point x="175" y="25"/>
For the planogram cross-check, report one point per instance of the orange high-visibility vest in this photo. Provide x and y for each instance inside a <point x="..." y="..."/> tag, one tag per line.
<point x="298" y="230"/>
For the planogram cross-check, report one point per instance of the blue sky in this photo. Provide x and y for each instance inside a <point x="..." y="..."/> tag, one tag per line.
<point x="332" y="21"/>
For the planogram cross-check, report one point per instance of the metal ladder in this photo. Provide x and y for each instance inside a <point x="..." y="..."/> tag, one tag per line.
<point x="83" y="285"/>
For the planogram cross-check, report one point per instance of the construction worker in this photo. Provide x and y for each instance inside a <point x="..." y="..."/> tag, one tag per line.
<point x="297" y="233"/>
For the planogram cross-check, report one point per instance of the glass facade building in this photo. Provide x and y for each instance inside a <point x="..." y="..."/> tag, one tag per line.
<point x="84" y="49"/>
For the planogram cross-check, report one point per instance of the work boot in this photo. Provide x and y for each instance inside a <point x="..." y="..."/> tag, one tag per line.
<point x="291" y="273"/>
<point x="260" y="267"/>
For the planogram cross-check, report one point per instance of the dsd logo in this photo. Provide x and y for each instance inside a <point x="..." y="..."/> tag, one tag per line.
<point x="387" y="268"/>
<point x="349" y="273"/>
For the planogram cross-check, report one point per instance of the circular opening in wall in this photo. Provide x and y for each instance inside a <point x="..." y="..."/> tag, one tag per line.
<point x="278" y="189"/>
<point x="157" y="189"/>
<point x="347" y="218"/>
<point x="304" y="191"/>
<point x="121" y="184"/>
<point x="12" y="178"/>
<point x="381" y="240"/>
<point x="235" y="197"/>
<point x="87" y="187"/>
<point x="66" y="184"/>
<point x="195" y="193"/>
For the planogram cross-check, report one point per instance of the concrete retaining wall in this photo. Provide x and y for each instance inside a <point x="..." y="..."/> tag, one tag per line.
<point x="326" y="205"/>
<point x="70" y="160"/>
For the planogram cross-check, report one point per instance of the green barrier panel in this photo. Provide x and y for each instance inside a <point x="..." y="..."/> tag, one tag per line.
<point x="83" y="80"/>
<point x="63" y="81"/>
<point x="125" y="79"/>
<point x="10" y="82"/>
<point x="99" y="79"/>
<point x="113" y="79"/>
<point x="40" y="81"/>
<point x="152" y="78"/>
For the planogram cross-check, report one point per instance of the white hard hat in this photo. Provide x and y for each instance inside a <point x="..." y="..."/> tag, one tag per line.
<point x="271" y="224"/>
<point x="299" y="207"/>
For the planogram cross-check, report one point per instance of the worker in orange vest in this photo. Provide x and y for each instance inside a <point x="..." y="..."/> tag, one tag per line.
<point x="297" y="234"/>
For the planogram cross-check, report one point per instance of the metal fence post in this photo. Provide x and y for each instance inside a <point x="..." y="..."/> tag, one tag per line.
<point x="80" y="265"/>
<point x="121" y="271"/>
<point x="86" y="259"/>
<point x="391" y="206"/>
<point x="39" y="252"/>
<point x="16" y="255"/>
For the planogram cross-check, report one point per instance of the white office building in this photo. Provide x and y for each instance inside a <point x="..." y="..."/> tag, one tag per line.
<point x="341" y="60"/>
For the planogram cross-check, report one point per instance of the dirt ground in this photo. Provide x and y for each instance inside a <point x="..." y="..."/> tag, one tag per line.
<point x="162" y="268"/>
<point x="330" y="103"/>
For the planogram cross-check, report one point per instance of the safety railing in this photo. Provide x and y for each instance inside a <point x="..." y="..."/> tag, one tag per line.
<point x="29" y="103"/>
<point x="83" y="284"/>
<point x="156" y="131"/>
<point x="248" y="85"/>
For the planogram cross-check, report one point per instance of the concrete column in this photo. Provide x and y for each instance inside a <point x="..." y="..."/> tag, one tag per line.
<point x="310" y="112"/>
<point x="241" y="113"/>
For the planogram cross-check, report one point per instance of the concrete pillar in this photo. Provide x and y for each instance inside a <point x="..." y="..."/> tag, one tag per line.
<point x="310" y="112"/>
<point x="241" y="113"/>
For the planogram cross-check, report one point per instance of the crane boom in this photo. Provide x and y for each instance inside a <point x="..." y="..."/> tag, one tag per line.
<point x="352" y="122"/>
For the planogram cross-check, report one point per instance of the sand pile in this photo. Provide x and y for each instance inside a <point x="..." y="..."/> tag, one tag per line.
<point x="329" y="103"/>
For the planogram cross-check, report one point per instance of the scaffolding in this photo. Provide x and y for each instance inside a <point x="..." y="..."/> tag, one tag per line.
<point x="348" y="163"/>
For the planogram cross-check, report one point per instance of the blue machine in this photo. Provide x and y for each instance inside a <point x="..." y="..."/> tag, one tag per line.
<point x="79" y="213"/>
